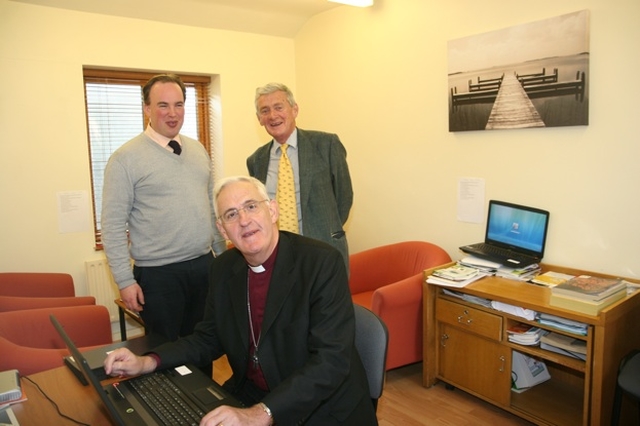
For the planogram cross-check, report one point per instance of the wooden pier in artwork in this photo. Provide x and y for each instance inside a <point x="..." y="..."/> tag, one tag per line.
<point x="512" y="108"/>
<point x="535" y="85"/>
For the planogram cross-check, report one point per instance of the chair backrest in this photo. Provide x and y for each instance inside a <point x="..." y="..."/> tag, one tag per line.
<point x="88" y="325"/>
<point x="12" y="303"/>
<point x="30" y="343"/>
<point x="372" y="340"/>
<point x="36" y="284"/>
<point x="383" y="265"/>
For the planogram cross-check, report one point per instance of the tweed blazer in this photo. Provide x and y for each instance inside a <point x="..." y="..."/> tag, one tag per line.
<point x="326" y="194"/>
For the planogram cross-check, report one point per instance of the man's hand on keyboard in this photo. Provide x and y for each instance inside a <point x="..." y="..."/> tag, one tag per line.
<point x="124" y="363"/>
<point x="231" y="416"/>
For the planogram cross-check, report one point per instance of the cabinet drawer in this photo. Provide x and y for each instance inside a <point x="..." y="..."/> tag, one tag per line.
<point x="470" y="319"/>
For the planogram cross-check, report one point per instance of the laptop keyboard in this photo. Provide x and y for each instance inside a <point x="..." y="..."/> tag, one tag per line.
<point x="166" y="400"/>
<point x="500" y="253"/>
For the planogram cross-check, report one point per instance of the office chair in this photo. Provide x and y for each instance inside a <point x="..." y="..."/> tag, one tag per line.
<point x="628" y="382"/>
<point x="372" y="339"/>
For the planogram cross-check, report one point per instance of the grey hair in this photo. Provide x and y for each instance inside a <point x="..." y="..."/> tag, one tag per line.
<point x="222" y="183"/>
<point x="272" y="88"/>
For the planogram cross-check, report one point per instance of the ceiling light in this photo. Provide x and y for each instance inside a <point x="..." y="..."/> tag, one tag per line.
<point x="359" y="3"/>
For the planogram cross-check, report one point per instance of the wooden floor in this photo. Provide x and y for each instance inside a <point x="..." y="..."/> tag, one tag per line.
<point x="405" y="402"/>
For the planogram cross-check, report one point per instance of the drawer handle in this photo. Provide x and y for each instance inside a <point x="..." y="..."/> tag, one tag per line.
<point x="462" y="321"/>
<point x="443" y="340"/>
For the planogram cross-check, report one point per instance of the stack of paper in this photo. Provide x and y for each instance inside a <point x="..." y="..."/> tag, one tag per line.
<point x="455" y="276"/>
<point x="456" y="272"/>
<point x="514" y="310"/>
<point x="564" y="324"/>
<point x="524" y="334"/>
<point x="564" y="345"/>
<point x="481" y="264"/>
<point x="519" y="274"/>
<point x="551" y="278"/>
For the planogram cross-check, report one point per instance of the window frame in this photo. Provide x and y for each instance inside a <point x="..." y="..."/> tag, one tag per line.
<point x="200" y="83"/>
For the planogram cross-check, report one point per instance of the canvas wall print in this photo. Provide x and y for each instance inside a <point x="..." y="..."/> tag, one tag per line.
<point x="526" y="76"/>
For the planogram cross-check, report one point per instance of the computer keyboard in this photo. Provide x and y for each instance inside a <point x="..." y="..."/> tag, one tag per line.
<point x="499" y="254"/>
<point x="166" y="400"/>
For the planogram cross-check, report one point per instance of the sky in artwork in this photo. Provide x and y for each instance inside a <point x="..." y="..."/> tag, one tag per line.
<point x="559" y="36"/>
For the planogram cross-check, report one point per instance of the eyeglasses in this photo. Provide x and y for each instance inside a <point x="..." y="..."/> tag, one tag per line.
<point x="232" y="215"/>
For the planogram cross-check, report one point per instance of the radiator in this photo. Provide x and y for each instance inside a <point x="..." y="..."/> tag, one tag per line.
<point x="100" y="285"/>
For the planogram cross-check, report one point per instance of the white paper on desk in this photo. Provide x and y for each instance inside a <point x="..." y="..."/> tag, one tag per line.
<point x="455" y="284"/>
<point x="514" y="310"/>
<point x="476" y="261"/>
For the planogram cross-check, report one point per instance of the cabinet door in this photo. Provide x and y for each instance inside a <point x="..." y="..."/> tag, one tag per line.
<point x="474" y="364"/>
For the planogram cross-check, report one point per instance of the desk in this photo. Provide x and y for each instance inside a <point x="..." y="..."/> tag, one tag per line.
<point x="466" y="345"/>
<point x="77" y="401"/>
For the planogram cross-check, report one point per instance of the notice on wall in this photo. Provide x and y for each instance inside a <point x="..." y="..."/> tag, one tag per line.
<point x="471" y="200"/>
<point x="73" y="212"/>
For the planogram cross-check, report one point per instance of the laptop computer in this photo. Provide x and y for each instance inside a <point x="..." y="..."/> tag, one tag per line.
<point x="130" y="402"/>
<point x="515" y="235"/>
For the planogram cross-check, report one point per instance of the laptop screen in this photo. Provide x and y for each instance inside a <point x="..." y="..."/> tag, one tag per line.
<point x="517" y="227"/>
<point x="86" y="370"/>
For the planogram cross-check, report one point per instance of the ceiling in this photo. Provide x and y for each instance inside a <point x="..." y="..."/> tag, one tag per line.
<point x="282" y="18"/>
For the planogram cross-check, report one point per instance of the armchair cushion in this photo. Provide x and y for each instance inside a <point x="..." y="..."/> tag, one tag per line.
<point x="388" y="280"/>
<point x="29" y="360"/>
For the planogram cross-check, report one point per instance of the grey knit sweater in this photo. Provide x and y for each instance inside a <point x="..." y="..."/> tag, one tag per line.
<point x="164" y="200"/>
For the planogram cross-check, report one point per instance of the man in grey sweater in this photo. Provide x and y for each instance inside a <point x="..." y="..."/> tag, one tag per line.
<point x="157" y="209"/>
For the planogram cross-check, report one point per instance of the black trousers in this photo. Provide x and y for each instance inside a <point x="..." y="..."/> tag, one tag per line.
<point x="174" y="296"/>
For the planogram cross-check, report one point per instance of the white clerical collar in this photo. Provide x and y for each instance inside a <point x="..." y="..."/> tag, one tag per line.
<point x="257" y="269"/>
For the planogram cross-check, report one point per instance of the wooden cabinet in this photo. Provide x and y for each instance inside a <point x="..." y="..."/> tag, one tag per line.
<point x="466" y="345"/>
<point x="469" y="353"/>
<point x="476" y="365"/>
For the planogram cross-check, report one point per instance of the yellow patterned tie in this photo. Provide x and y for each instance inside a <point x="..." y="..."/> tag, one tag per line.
<point x="286" y="194"/>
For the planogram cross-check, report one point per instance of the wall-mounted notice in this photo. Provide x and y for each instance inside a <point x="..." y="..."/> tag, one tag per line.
<point x="471" y="200"/>
<point x="73" y="212"/>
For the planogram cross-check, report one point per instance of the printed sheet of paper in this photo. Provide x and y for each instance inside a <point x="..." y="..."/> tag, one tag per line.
<point x="73" y="212"/>
<point x="471" y="200"/>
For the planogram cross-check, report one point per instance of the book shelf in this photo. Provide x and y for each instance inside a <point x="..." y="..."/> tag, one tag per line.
<point x="466" y="345"/>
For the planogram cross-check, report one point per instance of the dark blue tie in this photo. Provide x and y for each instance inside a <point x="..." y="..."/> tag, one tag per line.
<point x="177" y="149"/>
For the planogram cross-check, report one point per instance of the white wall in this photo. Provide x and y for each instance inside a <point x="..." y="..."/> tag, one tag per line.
<point x="42" y="119"/>
<point x="375" y="76"/>
<point x="378" y="78"/>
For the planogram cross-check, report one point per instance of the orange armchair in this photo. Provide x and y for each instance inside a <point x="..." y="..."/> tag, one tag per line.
<point x="30" y="343"/>
<point x="388" y="281"/>
<point x="36" y="284"/>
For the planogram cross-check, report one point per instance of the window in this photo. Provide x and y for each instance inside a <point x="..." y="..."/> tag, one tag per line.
<point x="113" y="102"/>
